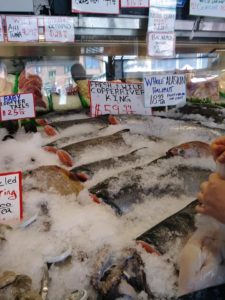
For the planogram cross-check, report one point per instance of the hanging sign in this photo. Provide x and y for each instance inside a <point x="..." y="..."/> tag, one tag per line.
<point x="22" y="29"/>
<point x="117" y="98"/>
<point x="134" y="3"/>
<point x="164" y="90"/>
<point x="96" y="6"/>
<point x="15" y="107"/>
<point x="161" y="44"/>
<point x="11" y="198"/>
<point x="163" y="3"/>
<point x="59" y="29"/>
<point x="1" y="31"/>
<point x="210" y="8"/>
<point x="161" y="19"/>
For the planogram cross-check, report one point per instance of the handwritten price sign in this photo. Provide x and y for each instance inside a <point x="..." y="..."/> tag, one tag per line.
<point x="59" y="29"/>
<point x="134" y="3"/>
<point x="161" y="44"/>
<point x="164" y="90"/>
<point x="161" y="19"/>
<point x="96" y="6"/>
<point x="1" y="31"/>
<point x="117" y="98"/>
<point x="11" y="197"/>
<point x="22" y="29"/>
<point x="15" y="107"/>
<point x="210" y="8"/>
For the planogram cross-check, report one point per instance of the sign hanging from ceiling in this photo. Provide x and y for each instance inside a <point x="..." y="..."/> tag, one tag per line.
<point x="209" y="8"/>
<point x="96" y="6"/>
<point x="161" y="20"/>
<point x="59" y="29"/>
<point x="161" y="44"/>
<point x="134" y="3"/>
<point x="164" y="90"/>
<point x="117" y="98"/>
<point x="22" y="29"/>
<point x="1" y="31"/>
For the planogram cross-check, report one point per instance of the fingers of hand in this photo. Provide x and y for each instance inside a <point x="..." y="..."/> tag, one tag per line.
<point x="217" y="149"/>
<point x="221" y="158"/>
<point x="201" y="209"/>
<point x="200" y="197"/>
<point x="203" y="187"/>
<point x="214" y="177"/>
<point x="219" y="141"/>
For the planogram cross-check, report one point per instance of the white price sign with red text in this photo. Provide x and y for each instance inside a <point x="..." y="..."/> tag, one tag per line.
<point x="22" y="29"/>
<point x="59" y="29"/>
<point x="1" y="31"/>
<point x="117" y="98"/>
<point x="17" y="106"/>
<point x="134" y="3"/>
<point x="11" y="197"/>
<point x="96" y="7"/>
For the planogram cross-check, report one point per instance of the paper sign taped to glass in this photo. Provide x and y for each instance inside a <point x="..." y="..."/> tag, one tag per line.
<point x="161" y="44"/>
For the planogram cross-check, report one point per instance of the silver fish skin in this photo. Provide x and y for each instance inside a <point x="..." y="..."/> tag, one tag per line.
<point x="178" y="226"/>
<point x="175" y="181"/>
<point x="115" y="139"/>
<point x="85" y="172"/>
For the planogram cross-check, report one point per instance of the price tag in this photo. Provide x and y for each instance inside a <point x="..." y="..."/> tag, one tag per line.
<point x="161" y="44"/>
<point x="117" y="98"/>
<point x="161" y="19"/>
<point x="96" y="6"/>
<point x="1" y="31"/>
<point x="22" y="29"/>
<point x="210" y="8"/>
<point x="11" y="198"/>
<point x="164" y="90"/>
<point x="59" y="29"/>
<point x="18" y="106"/>
<point x="163" y="3"/>
<point x="134" y="3"/>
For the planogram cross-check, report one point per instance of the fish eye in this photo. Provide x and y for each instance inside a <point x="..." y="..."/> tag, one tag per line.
<point x="182" y="152"/>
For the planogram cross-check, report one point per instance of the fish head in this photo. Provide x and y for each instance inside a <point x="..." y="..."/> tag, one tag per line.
<point x="120" y="276"/>
<point x="191" y="149"/>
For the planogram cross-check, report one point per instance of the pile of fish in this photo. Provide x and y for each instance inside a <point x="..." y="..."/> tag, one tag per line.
<point x="111" y="167"/>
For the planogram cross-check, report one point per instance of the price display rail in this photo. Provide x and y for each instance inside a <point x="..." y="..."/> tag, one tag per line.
<point x="120" y="35"/>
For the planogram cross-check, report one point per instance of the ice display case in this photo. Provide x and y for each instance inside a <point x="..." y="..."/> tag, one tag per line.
<point x="102" y="206"/>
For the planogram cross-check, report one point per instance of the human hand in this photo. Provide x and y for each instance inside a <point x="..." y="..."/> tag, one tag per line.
<point x="212" y="197"/>
<point x="218" y="149"/>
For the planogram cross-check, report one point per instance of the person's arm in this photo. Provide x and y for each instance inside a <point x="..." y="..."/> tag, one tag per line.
<point x="212" y="198"/>
<point x="212" y="192"/>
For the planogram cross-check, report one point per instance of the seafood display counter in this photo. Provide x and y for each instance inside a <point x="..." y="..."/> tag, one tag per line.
<point x="108" y="202"/>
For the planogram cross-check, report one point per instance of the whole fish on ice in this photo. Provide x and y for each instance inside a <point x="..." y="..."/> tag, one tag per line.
<point x="86" y="172"/>
<point x="52" y="178"/>
<point x="160" y="238"/>
<point x="53" y="128"/>
<point x="161" y="177"/>
<point x="120" y="277"/>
